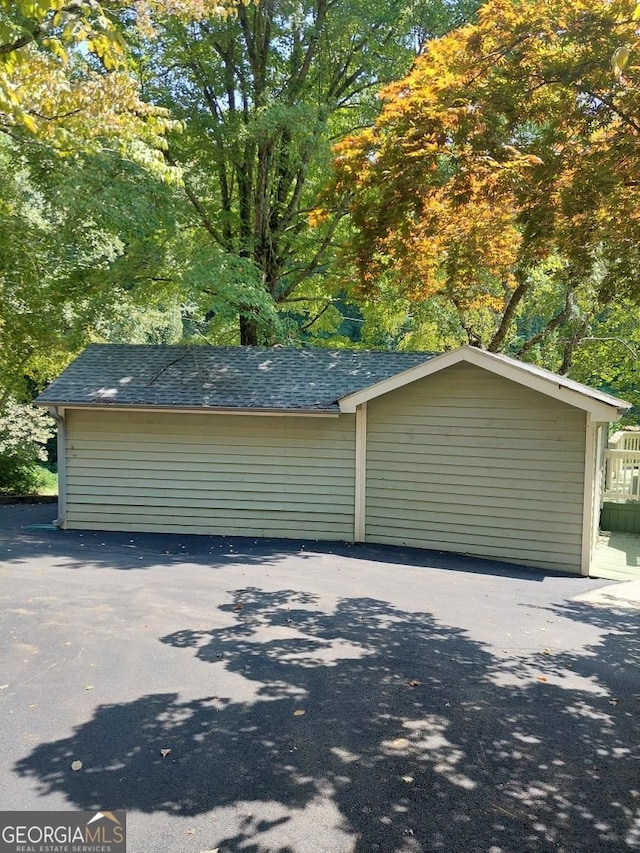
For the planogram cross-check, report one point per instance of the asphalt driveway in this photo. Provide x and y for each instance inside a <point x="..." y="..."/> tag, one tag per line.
<point x="315" y="697"/>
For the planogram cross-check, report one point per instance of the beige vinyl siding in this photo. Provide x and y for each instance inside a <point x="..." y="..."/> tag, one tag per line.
<point x="211" y="474"/>
<point x="468" y="461"/>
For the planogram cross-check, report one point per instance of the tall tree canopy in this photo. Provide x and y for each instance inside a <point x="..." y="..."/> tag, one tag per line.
<point x="509" y="152"/>
<point x="262" y="94"/>
<point x="83" y="241"/>
<point x="89" y="222"/>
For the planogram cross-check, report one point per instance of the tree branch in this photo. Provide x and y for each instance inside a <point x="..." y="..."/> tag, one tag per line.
<point x="197" y="205"/>
<point x="608" y="102"/>
<point x="317" y="317"/>
<point x="309" y="268"/>
<point x="516" y="297"/>
<point x="39" y="30"/>
<point x="23" y="41"/>
<point x="551" y="325"/>
<point x="291" y="299"/>
<point x="296" y="82"/>
<point x="621" y="341"/>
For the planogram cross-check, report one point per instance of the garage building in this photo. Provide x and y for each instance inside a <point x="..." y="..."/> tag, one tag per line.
<point x="464" y="451"/>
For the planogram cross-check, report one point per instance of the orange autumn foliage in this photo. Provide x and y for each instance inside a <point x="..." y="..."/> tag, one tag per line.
<point x="513" y="138"/>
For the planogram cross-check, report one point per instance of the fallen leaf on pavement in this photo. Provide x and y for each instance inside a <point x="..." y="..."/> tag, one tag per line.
<point x="542" y="678"/>
<point x="407" y="779"/>
<point x="76" y="765"/>
<point x="89" y="687"/>
<point x="400" y="743"/>
<point x="299" y="712"/>
<point x="165" y="752"/>
<point x="238" y="607"/>
<point x="215" y="850"/>
<point x="546" y="651"/>
<point x="414" y="682"/>
<point x="2" y="686"/>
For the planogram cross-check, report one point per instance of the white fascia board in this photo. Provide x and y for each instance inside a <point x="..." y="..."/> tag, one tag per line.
<point x="511" y="369"/>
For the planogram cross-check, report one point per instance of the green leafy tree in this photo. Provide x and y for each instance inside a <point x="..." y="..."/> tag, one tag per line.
<point x="24" y="432"/>
<point x="83" y="240"/>
<point x="86" y="227"/>
<point x="262" y="94"/>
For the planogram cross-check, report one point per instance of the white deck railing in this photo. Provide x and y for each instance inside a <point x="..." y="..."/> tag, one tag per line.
<point x="622" y="468"/>
<point x="625" y="440"/>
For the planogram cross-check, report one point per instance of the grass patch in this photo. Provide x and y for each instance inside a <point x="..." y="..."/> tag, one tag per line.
<point x="46" y="481"/>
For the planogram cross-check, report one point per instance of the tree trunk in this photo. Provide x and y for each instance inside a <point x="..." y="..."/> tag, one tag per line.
<point x="248" y="331"/>
<point x="571" y="346"/>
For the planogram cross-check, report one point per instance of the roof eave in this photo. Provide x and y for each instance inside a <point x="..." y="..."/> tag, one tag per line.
<point x="204" y="410"/>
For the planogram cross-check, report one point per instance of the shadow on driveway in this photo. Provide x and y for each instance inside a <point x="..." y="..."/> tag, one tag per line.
<point x="480" y="754"/>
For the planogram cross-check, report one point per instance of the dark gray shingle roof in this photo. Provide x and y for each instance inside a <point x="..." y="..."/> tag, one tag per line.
<point x="222" y="377"/>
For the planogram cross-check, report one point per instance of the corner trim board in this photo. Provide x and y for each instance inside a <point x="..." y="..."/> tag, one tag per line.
<point x="359" y="531"/>
<point x="58" y="415"/>
<point x="588" y="505"/>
